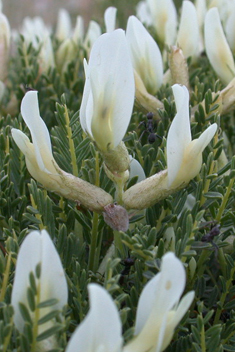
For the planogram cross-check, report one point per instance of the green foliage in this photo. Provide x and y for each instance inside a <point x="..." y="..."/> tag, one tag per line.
<point x="25" y="205"/>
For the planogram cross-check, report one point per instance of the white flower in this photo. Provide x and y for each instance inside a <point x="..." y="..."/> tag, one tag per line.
<point x="35" y="31"/>
<point x="38" y="249"/>
<point x="164" y="19"/>
<point x="110" y="18"/>
<point x="188" y="33"/>
<point x="42" y="165"/>
<point x="142" y="12"/>
<point x="78" y="32"/>
<point x="101" y="330"/>
<point x="108" y="95"/>
<point x="217" y="48"/>
<point x="39" y="159"/>
<point x="93" y="33"/>
<point x="230" y="29"/>
<point x="64" y="26"/>
<point x="145" y="54"/>
<point x="184" y="156"/>
<point x="5" y="35"/>
<point x="159" y="309"/>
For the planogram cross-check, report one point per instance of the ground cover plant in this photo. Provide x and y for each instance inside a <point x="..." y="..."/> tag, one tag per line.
<point x="117" y="181"/>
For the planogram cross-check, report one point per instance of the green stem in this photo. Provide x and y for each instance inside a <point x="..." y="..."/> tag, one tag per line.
<point x="71" y="143"/>
<point x="119" y="248"/>
<point x="119" y="191"/>
<point x="225" y="200"/>
<point x="223" y="298"/>
<point x="5" y="278"/>
<point x="203" y="339"/>
<point x="94" y="233"/>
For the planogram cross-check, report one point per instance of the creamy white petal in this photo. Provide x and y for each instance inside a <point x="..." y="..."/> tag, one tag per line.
<point x="188" y="34"/>
<point x="136" y="170"/>
<point x="112" y="85"/>
<point x="230" y="29"/>
<point x="85" y="119"/>
<point x="217" y="48"/>
<point x="204" y="139"/>
<point x="101" y="330"/>
<point x="110" y="18"/>
<point x="164" y="19"/>
<point x="143" y="13"/>
<point x="179" y="134"/>
<point x="78" y="33"/>
<point x="22" y="142"/>
<point x="38" y="248"/>
<point x="156" y="307"/>
<point x="38" y="130"/>
<point x="201" y="11"/>
<point x="145" y="54"/>
<point x="93" y="32"/>
<point x="160" y="295"/>
<point x="64" y="26"/>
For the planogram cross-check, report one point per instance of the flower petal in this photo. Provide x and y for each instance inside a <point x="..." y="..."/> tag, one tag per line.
<point x="156" y="301"/>
<point x="217" y="48"/>
<point x="164" y="19"/>
<point x="112" y="85"/>
<point x="101" y="330"/>
<point x="230" y="29"/>
<point x="188" y="34"/>
<point x="204" y="139"/>
<point x="145" y="54"/>
<point x="110" y="18"/>
<point x="164" y="291"/>
<point x="179" y="134"/>
<point x="136" y="170"/>
<point x="38" y="248"/>
<point x="38" y="130"/>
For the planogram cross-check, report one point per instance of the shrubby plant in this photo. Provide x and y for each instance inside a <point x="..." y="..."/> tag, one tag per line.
<point x="112" y="240"/>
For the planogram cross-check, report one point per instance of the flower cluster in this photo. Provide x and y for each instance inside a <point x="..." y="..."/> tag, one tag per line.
<point x="158" y="313"/>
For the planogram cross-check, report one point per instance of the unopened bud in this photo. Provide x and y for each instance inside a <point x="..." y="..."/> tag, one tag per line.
<point x="178" y="67"/>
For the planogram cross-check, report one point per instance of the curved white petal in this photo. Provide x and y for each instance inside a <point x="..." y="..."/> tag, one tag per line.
<point x="101" y="330"/>
<point x="179" y="135"/>
<point x="112" y="87"/>
<point x="136" y="170"/>
<point x="110" y="18"/>
<point x="230" y="29"/>
<point x="38" y="130"/>
<point x="217" y="48"/>
<point x="145" y="54"/>
<point x="164" y="19"/>
<point x="63" y="28"/>
<point x="157" y="306"/>
<point x="204" y="139"/>
<point x="93" y="32"/>
<point x="23" y="142"/>
<point x="142" y="12"/>
<point x="183" y="306"/>
<point x="200" y="6"/>
<point x="85" y="118"/>
<point x="38" y="248"/>
<point x="78" y="33"/>
<point x="162" y="292"/>
<point x="188" y="34"/>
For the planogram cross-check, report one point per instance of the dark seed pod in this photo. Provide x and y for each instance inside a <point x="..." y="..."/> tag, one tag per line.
<point x="116" y="217"/>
